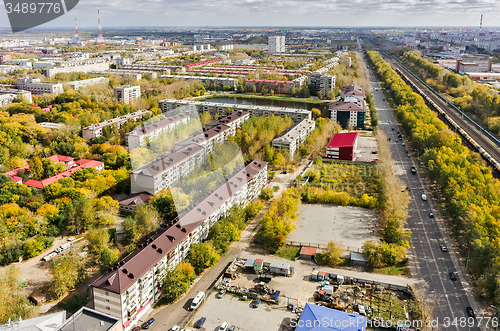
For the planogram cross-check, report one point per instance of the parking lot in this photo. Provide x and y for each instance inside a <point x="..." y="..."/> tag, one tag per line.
<point x="365" y="147"/>
<point x="320" y="224"/>
<point x="236" y="312"/>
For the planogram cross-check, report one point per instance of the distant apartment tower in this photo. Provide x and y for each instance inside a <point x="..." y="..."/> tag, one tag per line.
<point x="35" y="86"/>
<point x="276" y="44"/>
<point x="321" y="82"/>
<point x="77" y="84"/>
<point x="127" y="94"/>
<point x="123" y="61"/>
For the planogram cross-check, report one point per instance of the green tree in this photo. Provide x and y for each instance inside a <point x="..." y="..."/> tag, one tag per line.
<point x="13" y="302"/>
<point x="36" y="169"/>
<point x="332" y="256"/>
<point x="147" y="219"/>
<point x="202" y="256"/>
<point x="177" y="281"/>
<point x="319" y="94"/>
<point x="129" y="226"/>
<point x="316" y="113"/>
<point x="67" y="271"/>
<point x="108" y="258"/>
<point x="98" y="240"/>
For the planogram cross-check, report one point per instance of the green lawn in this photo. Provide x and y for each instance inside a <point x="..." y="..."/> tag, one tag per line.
<point x="288" y="252"/>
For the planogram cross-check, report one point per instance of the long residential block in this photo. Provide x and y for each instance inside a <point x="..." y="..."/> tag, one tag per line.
<point x="77" y="84"/>
<point x="95" y="130"/>
<point x="134" y="284"/>
<point x="221" y="82"/>
<point x="140" y="137"/>
<point x="296" y="135"/>
<point x="195" y="107"/>
<point x="35" y="86"/>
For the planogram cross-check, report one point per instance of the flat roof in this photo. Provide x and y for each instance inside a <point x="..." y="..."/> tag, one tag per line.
<point x="89" y="320"/>
<point x="343" y="140"/>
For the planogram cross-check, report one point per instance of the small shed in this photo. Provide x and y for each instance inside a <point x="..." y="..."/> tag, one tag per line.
<point x="307" y="252"/>
<point x="257" y="267"/>
<point x="280" y="268"/>
<point x="249" y="263"/>
<point x="358" y="259"/>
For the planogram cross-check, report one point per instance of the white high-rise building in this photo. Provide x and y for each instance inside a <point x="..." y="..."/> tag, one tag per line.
<point x="276" y="44"/>
<point x="127" y="94"/>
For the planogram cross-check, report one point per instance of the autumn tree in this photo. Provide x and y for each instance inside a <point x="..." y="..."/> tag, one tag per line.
<point x="13" y="302"/>
<point x="67" y="271"/>
<point x="332" y="256"/>
<point x="98" y="239"/>
<point x="147" y="219"/>
<point x="202" y="256"/>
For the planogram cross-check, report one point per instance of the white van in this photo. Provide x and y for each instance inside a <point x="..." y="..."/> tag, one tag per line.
<point x="197" y="301"/>
<point x="424" y="197"/>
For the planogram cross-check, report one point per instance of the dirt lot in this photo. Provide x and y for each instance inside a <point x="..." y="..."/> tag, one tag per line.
<point x="319" y="224"/>
<point x="366" y="145"/>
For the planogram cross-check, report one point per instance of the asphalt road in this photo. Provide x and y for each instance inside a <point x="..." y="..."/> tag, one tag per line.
<point x="428" y="262"/>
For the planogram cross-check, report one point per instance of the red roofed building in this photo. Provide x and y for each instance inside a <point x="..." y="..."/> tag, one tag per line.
<point x="73" y="166"/>
<point x="278" y="86"/>
<point x="342" y="146"/>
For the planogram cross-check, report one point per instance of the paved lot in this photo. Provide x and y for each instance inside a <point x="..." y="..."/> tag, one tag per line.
<point x="239" y="313"/>
<point x="320" y="224"/>
<point x="365" y="147"/>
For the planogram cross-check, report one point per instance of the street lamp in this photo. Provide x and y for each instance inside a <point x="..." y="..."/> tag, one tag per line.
<point x="498" y="315"/>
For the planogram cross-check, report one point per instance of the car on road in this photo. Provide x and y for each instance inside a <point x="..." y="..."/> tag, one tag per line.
<point x="284" y="172"/>
<point x="470" y="312"/>
<point x="402" y="144"/>
<point x="136" y="328"/>
<point x="255" y="303"/>
<point x="175" y="328"/>
<point x="383" y="99"/>
<point x="232" y="328"/>
<point x="223" y="326"/>
<point x="392" y="129"/>
<point x="374" y="160"/>
<point x="148" y="323"/>
<point x="374" y="152"/>
<point x="431" y="215"/>
<point x="413" y="170"/>
<point x="408" y="155"/>
<point x="453" y="277"/>
<point x="443" y="248"/>
<point x="424" y="197"/>
<point x="200" y="322"/>
<point x="220" y="294"/>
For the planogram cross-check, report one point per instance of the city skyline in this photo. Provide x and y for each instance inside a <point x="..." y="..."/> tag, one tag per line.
<point x="287" y="13"/>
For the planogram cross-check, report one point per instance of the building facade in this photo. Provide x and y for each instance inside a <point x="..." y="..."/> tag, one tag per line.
<point x="349" y="114"/>
<point x="342" y="146"/>
<point x="276" y="44"/>
<point x="221" y="82"/>
<point x="77" y="84"/>
<point x="278" y="86"/>
<point x="35" y="86"/>
<point x="296" y="135"/>
<point x="352" y="91"/>
<point x="25" y="95"/>
<point x="127" y="94"/>
<point x="321" y="82"/>
<point x="464" y="66"/>
<point x="134" y="284"/>
<point x="140" y="137"/>
<point x="193" y="108"/>
<point x="95" y="130"/>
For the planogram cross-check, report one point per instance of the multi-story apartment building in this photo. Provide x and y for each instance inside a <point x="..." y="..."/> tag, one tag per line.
<point x="134" y="284"/>
<point x="35" y="86"/>
<point x="9" y="95"/>
<point x="95" y="130"/>
<point x="352" y="91"/>
<point x="123" y="61"/>
<point x="216" y="109"/>
<point x="293" y="137"/>
<point x="77" y="84"/>
<point x="321" y="82"/>
<point x="276" y="44"/>
<point x="350" y="113"/>
<point x="166" y="69"/>
<point x="141" y="136"/>
<point x="221" y="82"/>
<point x="94" y="64"/>
<point x="161" y="173"/>
<point x="127" y="94"/>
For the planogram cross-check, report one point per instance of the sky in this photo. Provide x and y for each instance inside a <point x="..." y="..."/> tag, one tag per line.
<point x="324" y="13"/>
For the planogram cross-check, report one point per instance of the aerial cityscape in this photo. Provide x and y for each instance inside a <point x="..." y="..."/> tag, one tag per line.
<point x="250" y="166"/>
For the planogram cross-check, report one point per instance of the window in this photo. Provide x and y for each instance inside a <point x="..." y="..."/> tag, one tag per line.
<point x="107" y="300"/>
<point x="107" y="293"/>
<point x="107" y="308"/>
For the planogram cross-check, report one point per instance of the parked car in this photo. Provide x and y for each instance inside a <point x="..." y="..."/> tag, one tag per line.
<point x="453" y="276"/>
<point x="200" y="322"/>
<point x="136" y="328"/>
<point x="284" y="172"/>
<point x="392" y="129"/>
<point x="223" y="326"/>
<point x="220" y="294"/>
<point x="470" y="312"/>
<point x="431" y="215"/>
<point x="231" y="328"/>
<point x="255" y="303"/>
<point x="148" y="323"/>
<point x="408" y="155"/>
<point x="175" y="328"/>
<point x="402" y="144"/>
<point x="374" y="160"/>
<point x="374" y="152"/>
<point x="443" y="248"/>
<point x="424" y="197"/>
<point x="413" y="170"/>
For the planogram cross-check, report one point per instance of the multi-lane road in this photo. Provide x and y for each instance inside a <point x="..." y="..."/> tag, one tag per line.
<point x="448" y="298"/>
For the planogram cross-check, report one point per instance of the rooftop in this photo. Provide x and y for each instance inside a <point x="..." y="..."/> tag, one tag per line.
<point x="359" y="105"/>
<point x="343" y="140"/>
<point x="87" y="319"/>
